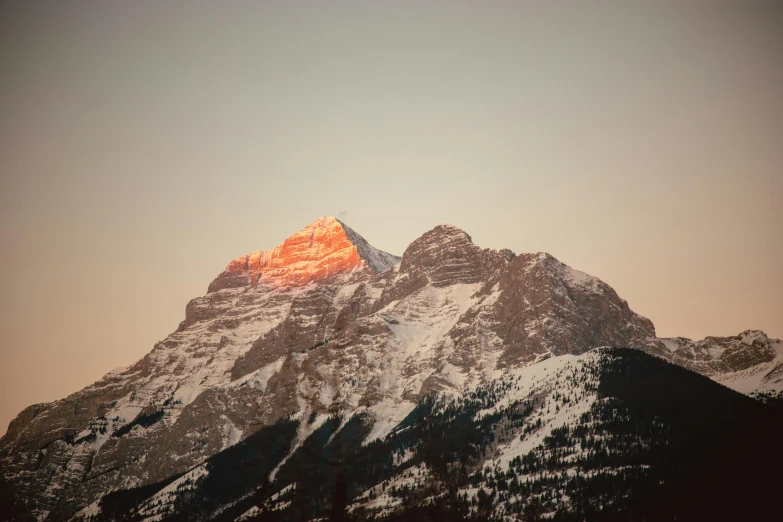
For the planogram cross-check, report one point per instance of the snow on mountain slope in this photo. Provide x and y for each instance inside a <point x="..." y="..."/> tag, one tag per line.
<point x="544" y="381"/>
<point x="750" y="362"/>
<point x="325" y="323"/>
<point x="762" y="377"/>
<point x="541" y="385"/>
<point x="578" y="437"/>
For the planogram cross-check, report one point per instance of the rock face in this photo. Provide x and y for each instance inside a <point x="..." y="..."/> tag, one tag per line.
<point x="324" y="250"/>
<point x="324" y="323"/>
<point x="750" y="362"/>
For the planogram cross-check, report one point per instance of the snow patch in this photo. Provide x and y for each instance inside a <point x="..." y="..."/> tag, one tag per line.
<point x="259" y="378"/>
<point x="388" y="414"/>
<point x="232" y="434"/>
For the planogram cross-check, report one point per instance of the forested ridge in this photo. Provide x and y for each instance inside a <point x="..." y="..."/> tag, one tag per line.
<point x="654" y="442"/>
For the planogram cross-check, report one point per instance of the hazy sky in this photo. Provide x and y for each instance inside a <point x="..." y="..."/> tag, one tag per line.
<point x="143" y="146"/>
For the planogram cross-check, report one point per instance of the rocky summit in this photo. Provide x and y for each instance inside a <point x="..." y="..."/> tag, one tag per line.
<point x="324" y="250"/>
<point x="291" y="345"/>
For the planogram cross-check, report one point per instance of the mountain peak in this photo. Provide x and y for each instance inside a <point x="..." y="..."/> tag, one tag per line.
<point x="446" y="229"/>
<point x="322" y="250"/>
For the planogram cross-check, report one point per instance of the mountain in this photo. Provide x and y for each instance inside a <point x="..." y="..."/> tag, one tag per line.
<point x="750" y="362"/>
<point x="326" y="342"/>
<point x="612" y="434"/>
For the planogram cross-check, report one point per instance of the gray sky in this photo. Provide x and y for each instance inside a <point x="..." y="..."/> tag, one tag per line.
<point x="143" y="146"/>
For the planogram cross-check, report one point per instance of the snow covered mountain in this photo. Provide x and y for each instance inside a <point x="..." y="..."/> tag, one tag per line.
<point x="325" y="335"/>
<point x="750" y="362"/>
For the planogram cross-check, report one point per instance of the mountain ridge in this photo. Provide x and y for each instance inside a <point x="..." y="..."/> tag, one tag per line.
<point x="287" y="336"/>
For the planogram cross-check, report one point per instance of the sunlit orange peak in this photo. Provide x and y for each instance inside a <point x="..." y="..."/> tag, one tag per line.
<point x="323" y="249"/>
